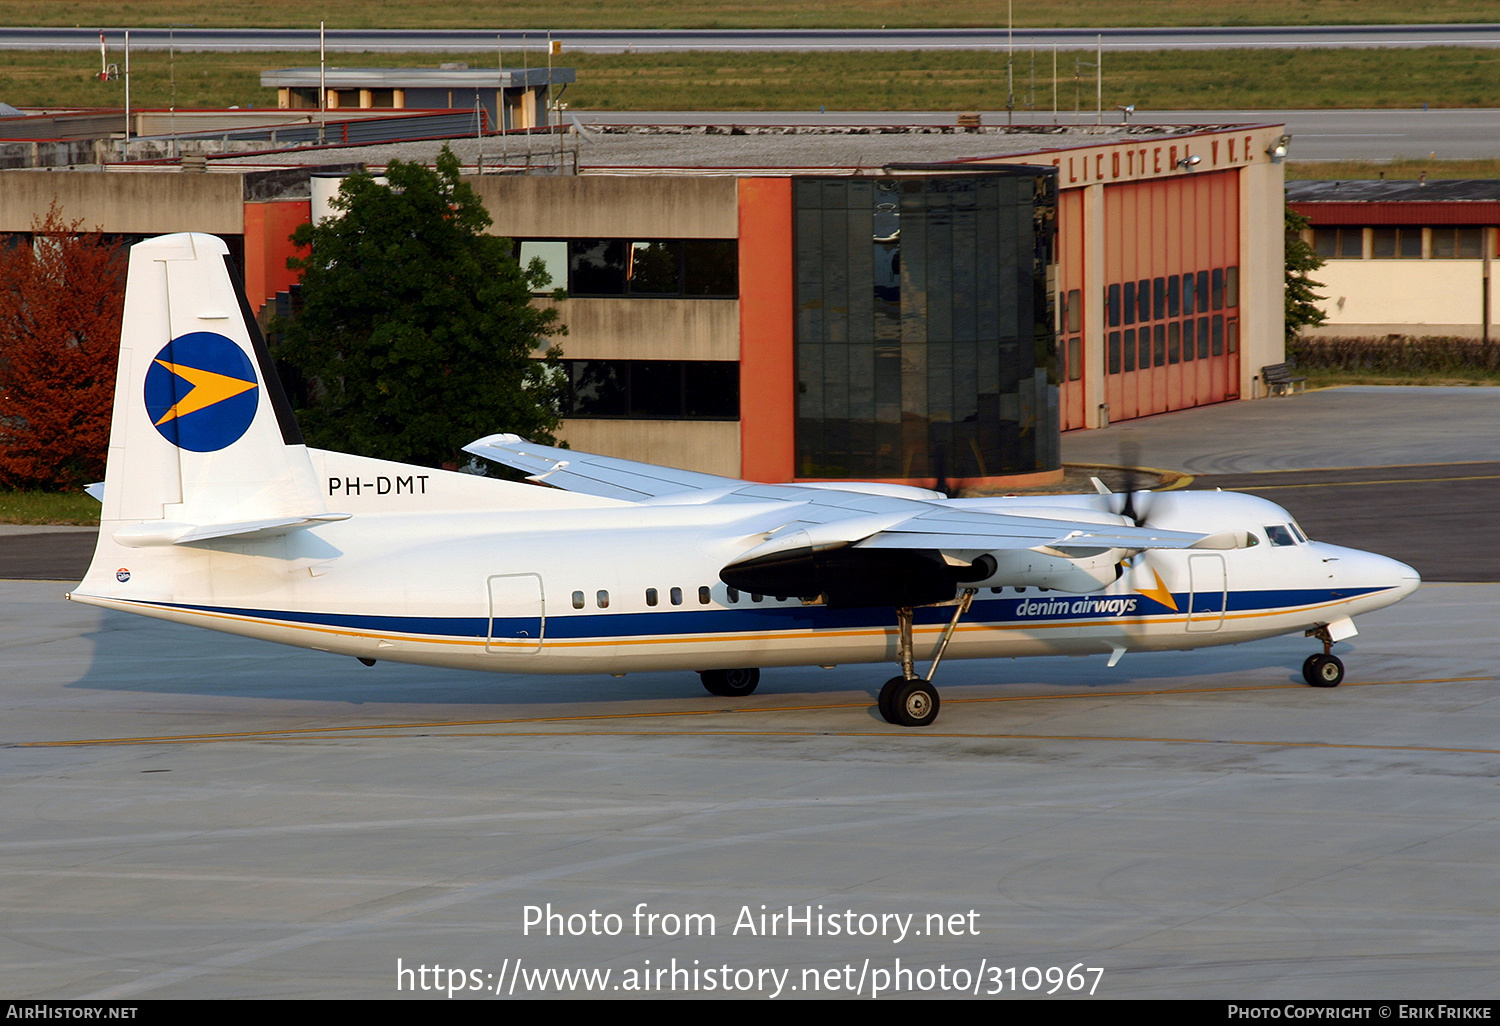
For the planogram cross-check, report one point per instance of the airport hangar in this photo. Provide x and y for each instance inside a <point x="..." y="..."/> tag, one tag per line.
<point x="786" y="303"/>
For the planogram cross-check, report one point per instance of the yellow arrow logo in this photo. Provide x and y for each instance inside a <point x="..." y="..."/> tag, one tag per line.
<point x="1160" y="593"/>
<point x="208" y="389"/>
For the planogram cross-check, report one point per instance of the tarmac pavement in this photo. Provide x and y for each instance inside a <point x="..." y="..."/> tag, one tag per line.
<point x="270" y="822"/>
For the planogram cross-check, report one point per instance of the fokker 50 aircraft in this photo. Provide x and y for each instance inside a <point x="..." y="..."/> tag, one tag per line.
<point x="216" y="514"/>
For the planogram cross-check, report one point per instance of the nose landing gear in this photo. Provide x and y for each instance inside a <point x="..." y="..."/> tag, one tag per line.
<point x="909" y="700"/>
<point x="1323" y="669"/>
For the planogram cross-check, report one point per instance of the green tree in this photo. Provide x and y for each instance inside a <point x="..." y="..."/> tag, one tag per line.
<point x="1301" y="260"/>
<point x="417" y="332"/>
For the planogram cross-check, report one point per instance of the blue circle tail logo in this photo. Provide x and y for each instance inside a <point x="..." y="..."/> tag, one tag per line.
<point x="201" y="392"/>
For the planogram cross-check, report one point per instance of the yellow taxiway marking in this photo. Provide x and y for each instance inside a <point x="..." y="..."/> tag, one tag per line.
<point x="1352" y="484"/>
<point x="350" y="732"/>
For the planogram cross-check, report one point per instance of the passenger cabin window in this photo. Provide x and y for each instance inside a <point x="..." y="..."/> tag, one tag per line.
<point x="676" y="596"/>
<point x="602" y="599"/>
<point x="578" y="600"/>
<point x="1280" y="535"/>
<point x="704" y="595"/>
<point x="650" y="596"/>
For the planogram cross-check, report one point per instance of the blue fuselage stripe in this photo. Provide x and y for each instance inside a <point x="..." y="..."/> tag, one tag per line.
<point x="1049" y="609"/>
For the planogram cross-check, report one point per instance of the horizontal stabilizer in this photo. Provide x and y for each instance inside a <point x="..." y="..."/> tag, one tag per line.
<point x="166" y="532"/>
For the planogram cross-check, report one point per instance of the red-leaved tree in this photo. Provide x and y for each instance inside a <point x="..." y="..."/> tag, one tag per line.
<point x="60" y="303"/>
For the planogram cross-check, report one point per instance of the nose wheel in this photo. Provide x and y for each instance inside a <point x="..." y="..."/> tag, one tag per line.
<point x="1323" y="670"/>
<point x="909" y="700"/>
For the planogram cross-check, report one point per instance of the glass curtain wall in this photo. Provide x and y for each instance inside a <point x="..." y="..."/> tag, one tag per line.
<point x="924" y="334"/>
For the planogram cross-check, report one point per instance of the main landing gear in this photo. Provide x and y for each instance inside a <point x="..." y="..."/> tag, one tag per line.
<point x="730" y="683"/>
<point x="1323" y="669"/>
<point x="909" y="700"/>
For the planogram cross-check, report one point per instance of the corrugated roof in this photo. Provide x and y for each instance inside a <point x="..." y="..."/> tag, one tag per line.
<point x="1379" y="190"/>
<point x="414" y="78"/>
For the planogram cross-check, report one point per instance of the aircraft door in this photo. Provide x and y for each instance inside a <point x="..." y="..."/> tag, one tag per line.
<point x="517" y="614"/>
<point x="1208" y="594"/>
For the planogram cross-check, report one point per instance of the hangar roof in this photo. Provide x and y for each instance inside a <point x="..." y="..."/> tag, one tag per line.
<point x="748" y="148"/>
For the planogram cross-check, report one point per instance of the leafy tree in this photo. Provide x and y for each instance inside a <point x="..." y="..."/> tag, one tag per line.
<point x="417" y="331"/>
<point x="1301" y="260"/>
<point x="60" y="303"/>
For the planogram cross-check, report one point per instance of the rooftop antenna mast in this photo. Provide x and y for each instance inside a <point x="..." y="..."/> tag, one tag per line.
<point x="125" y="146"/>
<point x="526" y="115"/>
<point x="1010" y="62"/>
<point x="502" y="105"/>
<point x="322" y="87"/>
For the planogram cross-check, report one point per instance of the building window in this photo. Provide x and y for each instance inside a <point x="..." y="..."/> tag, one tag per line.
<point x="1457" y="243"/>
<point x="924" y="324"/>
<point x="1339" y="243"/>
<point x="654" y="389"/>
<point x="1391" y="242"/>
<point x="645" y="269"/>
<point x="554" y="258"/>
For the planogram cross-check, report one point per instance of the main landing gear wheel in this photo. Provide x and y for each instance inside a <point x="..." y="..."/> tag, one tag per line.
<point x="730" y="683"/>
<point x="1323" y="671"/>
<point x="909" y="702"/>
<point x="887" y="694"/>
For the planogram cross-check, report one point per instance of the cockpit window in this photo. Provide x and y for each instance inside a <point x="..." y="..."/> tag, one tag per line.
<point x="1280" y="534"/>
<point x="1297" y="530"/>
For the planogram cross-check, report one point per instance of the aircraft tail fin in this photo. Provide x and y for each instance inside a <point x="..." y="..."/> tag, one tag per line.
<point x="203" y="442"/>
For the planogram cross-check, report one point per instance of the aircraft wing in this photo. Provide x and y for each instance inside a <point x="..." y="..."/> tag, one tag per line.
<point x="820" y="516"/>
<point x="584" y="472"/>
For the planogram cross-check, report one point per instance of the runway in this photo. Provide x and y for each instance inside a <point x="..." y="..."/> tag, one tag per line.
<point x="196" y="815"/>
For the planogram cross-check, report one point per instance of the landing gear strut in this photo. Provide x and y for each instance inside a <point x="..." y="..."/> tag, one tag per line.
<point x="909" y="700"/>
<point x="1323" y="669"/>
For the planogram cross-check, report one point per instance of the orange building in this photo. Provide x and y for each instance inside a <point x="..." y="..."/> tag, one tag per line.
<point x="777" y="306"/>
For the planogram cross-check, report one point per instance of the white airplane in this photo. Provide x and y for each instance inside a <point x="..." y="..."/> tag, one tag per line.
<point x="216" y="514"/>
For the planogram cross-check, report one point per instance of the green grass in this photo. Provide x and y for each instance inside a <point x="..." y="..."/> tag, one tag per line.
<point x="48" y="508"/>
<point x="1407" y="170"/>
<point x="956" y="80"/>
<point x="565" y="14"/>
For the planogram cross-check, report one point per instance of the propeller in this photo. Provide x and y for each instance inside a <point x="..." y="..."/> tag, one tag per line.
<point x="1129" y="462"/>
<point x="1130" y="458"/>
<point x="940" y="470"/>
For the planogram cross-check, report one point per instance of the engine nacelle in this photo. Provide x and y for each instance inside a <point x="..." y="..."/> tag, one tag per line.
<point x="1027" y="568"/>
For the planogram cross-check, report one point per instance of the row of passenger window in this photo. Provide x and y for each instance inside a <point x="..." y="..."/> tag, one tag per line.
<point x="733" y="596"/>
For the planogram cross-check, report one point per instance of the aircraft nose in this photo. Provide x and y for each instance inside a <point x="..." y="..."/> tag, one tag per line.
<point x="1384" y="572"/>
<point x="1407" y="578"/>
